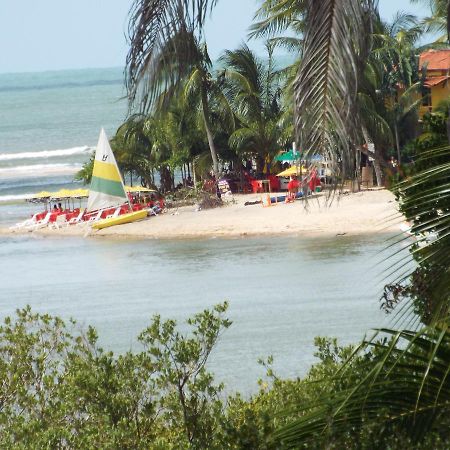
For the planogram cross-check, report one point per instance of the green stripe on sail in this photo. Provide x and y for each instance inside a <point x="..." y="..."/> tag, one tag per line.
<point x="108" y="187"/>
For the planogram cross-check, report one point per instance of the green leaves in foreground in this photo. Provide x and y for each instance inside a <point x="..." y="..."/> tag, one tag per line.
<point x="402" y="399"/>
<point x="61" y="390"/>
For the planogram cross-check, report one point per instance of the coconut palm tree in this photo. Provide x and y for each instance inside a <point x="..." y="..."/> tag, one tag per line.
<point x="254" y="92"/>
<point x="437" y="21"/>
<point x="282" y="22"/>
<point x="203" y="89"/>
<point x="176" y="57"/>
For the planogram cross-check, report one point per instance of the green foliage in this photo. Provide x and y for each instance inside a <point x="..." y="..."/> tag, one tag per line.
<point x="85" y="174"/>
<point x="254" y="93"/>
<point x="61" y="390"/>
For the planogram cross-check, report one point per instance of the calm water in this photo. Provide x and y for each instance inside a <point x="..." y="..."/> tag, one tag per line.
<point x="282" y="291"/>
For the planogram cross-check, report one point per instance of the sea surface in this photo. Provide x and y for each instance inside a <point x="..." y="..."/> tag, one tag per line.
<point x="282" y="291"/>
<point x="49" y="126"/>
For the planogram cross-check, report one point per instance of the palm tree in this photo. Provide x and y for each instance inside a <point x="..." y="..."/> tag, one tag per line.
<point x="254" y="92"/>
<point x="202" y="86"/>
<point x="437" y="22"/>
<point x="132" y="147"/>
<point x="156" y="73"/>
<point x="282" y="22"/>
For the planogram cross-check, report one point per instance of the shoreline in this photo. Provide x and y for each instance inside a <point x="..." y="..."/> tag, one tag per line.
<point x="365" y="212"/>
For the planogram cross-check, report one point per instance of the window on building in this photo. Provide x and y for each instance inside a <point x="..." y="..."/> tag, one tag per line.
<point x="426" y="97"/>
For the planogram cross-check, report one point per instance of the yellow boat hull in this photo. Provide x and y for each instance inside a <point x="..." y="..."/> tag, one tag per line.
<point x="119" y="220"/>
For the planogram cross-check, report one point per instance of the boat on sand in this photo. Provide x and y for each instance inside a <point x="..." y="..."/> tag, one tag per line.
<point x="121" y="219"/>
<point x="107" y="189"/>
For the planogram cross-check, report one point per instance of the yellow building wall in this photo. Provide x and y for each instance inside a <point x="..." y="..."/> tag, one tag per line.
<point x="438" y="94"/>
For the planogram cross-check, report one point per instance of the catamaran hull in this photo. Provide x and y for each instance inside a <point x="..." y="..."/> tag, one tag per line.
<point x="119" y="220"/>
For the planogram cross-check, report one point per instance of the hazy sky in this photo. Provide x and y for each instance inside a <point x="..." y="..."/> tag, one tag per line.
<point x="38" y="35"/>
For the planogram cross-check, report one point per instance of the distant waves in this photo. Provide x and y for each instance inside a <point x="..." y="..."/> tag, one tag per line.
<point x="24" y="173"/>
<point x="46" y="153"/>
<point x="40" y="170"/>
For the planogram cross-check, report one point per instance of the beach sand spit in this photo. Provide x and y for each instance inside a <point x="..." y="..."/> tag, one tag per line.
<point x="373" y="211"/>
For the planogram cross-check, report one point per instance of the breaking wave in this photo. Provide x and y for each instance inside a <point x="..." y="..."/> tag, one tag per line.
<point x="46" y="153"/>
<point x="39" y="170"/>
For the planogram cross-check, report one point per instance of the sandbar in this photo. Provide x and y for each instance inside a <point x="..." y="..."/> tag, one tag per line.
<point x="370" y="211"/>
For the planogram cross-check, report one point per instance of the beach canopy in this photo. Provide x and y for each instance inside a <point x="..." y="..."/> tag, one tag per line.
<point x="61" y="194"/>
<point x="287" y="156"/>
<point x="294" y="170"/>
<point x="41" y="195"/>
<point x="135" y="189"/>
<point x="70" y="193"/>
<point x="107" y="189"/>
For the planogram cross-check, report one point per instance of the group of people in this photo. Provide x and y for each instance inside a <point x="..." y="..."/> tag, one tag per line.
<point x="312" y="183"/>
<point x="57" y="208"/>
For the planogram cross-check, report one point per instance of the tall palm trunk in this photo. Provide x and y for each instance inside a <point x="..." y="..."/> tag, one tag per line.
<point x="377" y="166"/>
<point x="397" y="143"/>
<point x="212" y="147"/>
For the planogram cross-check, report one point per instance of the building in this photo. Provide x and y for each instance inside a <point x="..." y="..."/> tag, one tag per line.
<point x="436" y="66"/>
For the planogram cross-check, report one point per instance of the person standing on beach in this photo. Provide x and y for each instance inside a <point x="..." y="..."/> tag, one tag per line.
<point x="292" y="186"/>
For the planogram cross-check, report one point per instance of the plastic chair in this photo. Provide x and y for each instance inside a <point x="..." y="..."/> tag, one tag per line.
<point x="77" y="219"/>
<point x="26" y="223"/>
<point x="41" y="223"/>
<point x="114" y="214"/>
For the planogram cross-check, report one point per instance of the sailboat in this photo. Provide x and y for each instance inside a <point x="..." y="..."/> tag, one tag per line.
<point x="107" y="189"/>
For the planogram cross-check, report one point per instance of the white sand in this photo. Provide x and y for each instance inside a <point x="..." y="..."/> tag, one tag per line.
<point x="364" y="212"/>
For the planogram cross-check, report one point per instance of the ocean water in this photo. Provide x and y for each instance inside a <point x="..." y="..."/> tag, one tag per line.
<point x="49" y="124"/>
<point x="282" y="291"/>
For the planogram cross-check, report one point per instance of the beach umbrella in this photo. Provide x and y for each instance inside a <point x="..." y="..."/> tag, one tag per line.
<point x="62" y="193"/>
<point x="79" y="193"/>
<point x="40" y="195"/>
<point x="294" y="170"/>
<point x="287" y="156"/>
<point x="135" y="189"/>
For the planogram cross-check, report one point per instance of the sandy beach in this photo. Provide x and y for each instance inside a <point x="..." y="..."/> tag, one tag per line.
<point x="373" y="211"/>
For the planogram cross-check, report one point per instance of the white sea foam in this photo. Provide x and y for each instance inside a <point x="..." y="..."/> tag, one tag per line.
<point x="39" y="170"/>
<point x="45" y="153"/>
<point x="14" y="198"/>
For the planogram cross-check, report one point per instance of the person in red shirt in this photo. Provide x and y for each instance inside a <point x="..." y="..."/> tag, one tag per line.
<point x="314" y="181"/>
<point x="292" y="186"/>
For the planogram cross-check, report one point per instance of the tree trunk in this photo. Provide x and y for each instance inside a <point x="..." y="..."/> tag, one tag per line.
<point x="397" y="143"/>
<point x="377" y="167"/>
<point x="193" y="173"/>
<point x="166" y="179"/>
<point x="448" y="125"/>
<point x="212" y="147"/>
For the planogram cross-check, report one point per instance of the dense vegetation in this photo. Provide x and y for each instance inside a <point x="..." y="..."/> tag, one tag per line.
<point x="60" y="389"/>
<point x="193" y="117"/>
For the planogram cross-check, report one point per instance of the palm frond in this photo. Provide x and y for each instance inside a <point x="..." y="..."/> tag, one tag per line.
<point x="277" y="16"/>
<point x="161" y="47"/>
<point x="326" y="119"/>
<point x="405" y="383"/>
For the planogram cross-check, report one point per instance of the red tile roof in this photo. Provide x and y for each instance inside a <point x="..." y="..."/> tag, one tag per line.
<point x="434" y="81"/>
<point x="435" y="59"/>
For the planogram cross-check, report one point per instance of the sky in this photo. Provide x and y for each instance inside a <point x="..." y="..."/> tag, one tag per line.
<point x="39" y="35"/>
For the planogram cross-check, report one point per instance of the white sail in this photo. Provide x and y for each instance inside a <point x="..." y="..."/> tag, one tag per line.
<point x="107" y="189"/>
